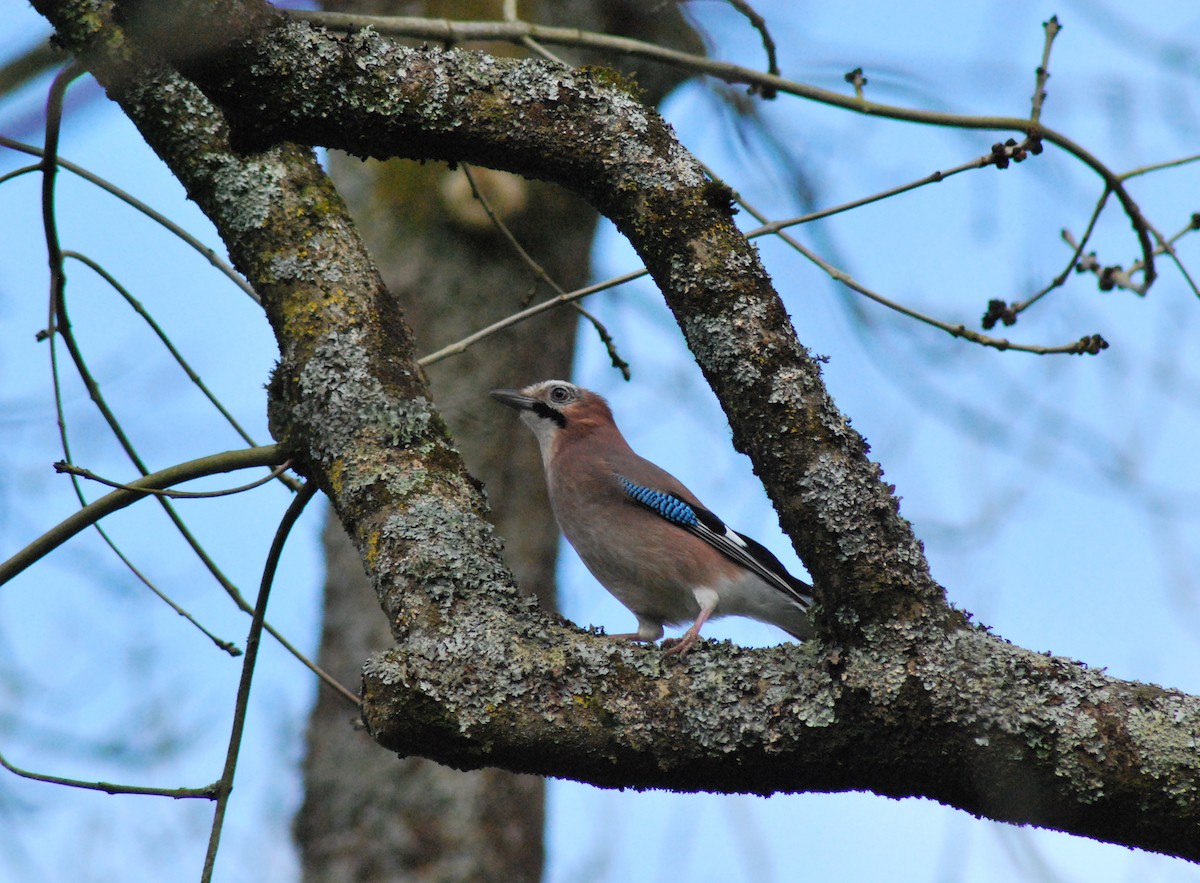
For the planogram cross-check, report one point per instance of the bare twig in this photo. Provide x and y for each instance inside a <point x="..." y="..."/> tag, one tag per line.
<point x="470" y="340"/>
<point x="59" y="326"/>
<point x="760" y="24"/>
<point x="166" y="342"/>
<point x="269" y="455"/>
<point x="999" y="311"/>
<point x="1115" y="276"/>
<point x="69" y="469"/>
<point x="539" y="271"/>
<point x="132" y="201"/>
<point x="1051" y="27"/>
<point x="1157" y="167"/>
<point x="1015" y="152"/>
<point x="1168" y="245"/>
<point x="18" y="172"/>
<point x="227" y="646"/>
<point x="90" y="515"/>
<point x="509" y="12"/>
<point x="224" y="786"/>
<point x="1089" y="344"/>
<point x="54" y="103"/>
<point x="208" y="792"/>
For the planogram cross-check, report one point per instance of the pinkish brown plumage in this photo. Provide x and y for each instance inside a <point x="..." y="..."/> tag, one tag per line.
<point x="643" y="535"/>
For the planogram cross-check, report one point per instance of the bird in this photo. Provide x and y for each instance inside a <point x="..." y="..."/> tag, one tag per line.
<point x="644" y="536"/>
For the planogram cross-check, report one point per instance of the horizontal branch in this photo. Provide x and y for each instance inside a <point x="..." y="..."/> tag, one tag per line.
<point x="229" y="461"/>
<point x="965" y="718"/>
<point x="208" y="792"/>
<point x="64" y="468"/>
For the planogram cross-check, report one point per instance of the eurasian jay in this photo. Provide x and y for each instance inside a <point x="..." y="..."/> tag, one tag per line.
<point x="642" y="534"/>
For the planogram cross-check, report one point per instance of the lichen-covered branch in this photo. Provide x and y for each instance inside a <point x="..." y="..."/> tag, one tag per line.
<point x="898" y="695"/>
<point x="966" y="719"/>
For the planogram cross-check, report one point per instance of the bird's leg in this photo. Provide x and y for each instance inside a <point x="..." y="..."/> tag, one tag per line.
<point x="708" y="603"/>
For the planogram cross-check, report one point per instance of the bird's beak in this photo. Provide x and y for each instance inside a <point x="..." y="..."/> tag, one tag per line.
<point x="514" y="399"/>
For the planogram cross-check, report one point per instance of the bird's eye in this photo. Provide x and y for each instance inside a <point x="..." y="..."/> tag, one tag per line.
<point x="560" y="395"/>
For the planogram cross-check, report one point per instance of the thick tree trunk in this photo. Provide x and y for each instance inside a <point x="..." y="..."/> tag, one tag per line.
<point x="365" y="816"/>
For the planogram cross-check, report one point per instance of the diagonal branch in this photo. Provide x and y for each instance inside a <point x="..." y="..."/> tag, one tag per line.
<point x="575" y="128"/>
<point x="127" y="495"/>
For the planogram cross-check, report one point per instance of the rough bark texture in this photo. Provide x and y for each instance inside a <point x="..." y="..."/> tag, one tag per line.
<point x="412" y="818"/>
<point x="898" y="694"/>
<point x="368" y="815"/>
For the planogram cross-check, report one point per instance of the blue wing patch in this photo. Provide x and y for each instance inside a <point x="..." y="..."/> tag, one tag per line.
<point x="669" y="507"/>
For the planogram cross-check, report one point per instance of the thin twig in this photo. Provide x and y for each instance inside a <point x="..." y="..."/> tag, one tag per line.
<point x="1051" y="27"/>
<point x="18" y="172"/>
<point x="509" y="12"/>
<point x="58" y="281"/>
<point x="772" y="227"/>
<point x="253" y="641"/>
<point x="1090" y="344"/>
<point x="470" y="340"/>
<point x="59" y="326"/>
<point x="62" y="329"/>
<point x="54" y="104"/>
<point x="269" y="455"/>
<point x="222" y="644"/>
<point x="1192" y="226"/>
<point x="229" y="461"/>
<point x="1119" y="277"/>
<point x="760" y="24"/>
<point x="208" y="792"/>
<point x="1007" y="313"/>
<point x="166" y="341"/>
<point x="539" y="271"/>
<point x="70" y="469"/>
<point x="1158" y="167"/>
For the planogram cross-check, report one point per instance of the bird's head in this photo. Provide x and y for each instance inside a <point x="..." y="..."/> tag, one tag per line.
<point x="555" y="408"/>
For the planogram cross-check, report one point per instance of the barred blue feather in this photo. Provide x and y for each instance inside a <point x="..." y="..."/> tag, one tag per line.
<point x="671" y="508"/>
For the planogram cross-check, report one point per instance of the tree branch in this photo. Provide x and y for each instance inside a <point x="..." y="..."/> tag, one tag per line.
<point x="228" y="461"/>
<point x="964" y="718"/>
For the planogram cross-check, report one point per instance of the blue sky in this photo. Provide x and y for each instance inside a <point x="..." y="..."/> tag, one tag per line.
<point x="1056" y="496"/>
